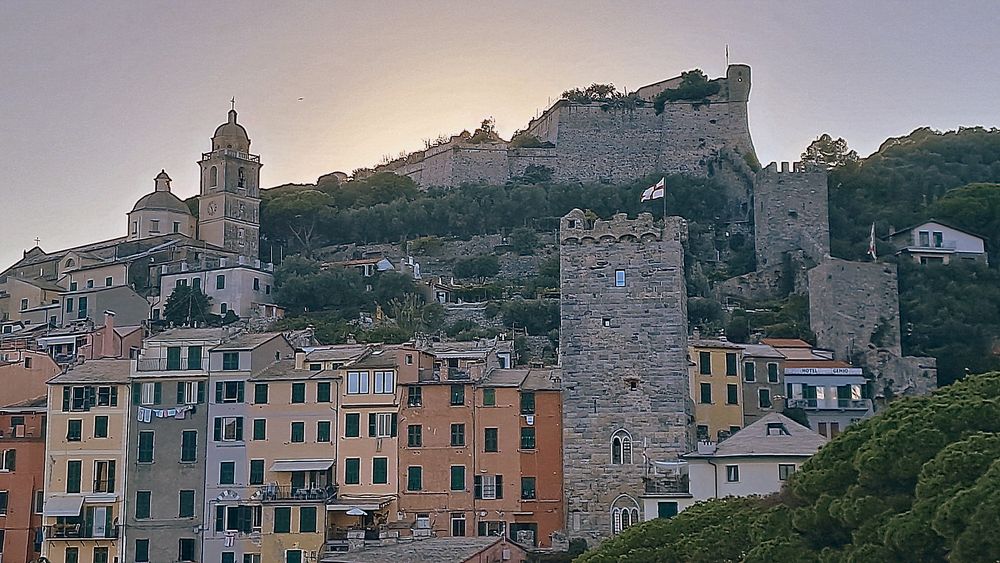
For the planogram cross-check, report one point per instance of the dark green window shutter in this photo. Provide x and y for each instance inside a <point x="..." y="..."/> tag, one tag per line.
<point x="260" y="393"/>
<point x="371" y="425"/>
<point x="457" y="477"/>
<point x="142" y="550"/>
<point x="218" y="391"/>
<point x="392" y="425"/>
<point x="194" y="357"/>
<point x="323" y="392"/>
<point x="218" y="429"/>
<point x="478" y="486"/>
<point x="201" y="392"/>
<point x="136" y="393"/>
<point x="100" y="427"/>
<point x="157" y="393"/>
<point x="489" y="397"/>
<point x="260" y="429"/>
<point x="239" y="429"/>
<point x="66" y="398"/>
<point x="298" y="432"/>
<point x="527" y="402"/>
<point x="73" y="473"/>
<point x="352" y="427"/>
<point x="307" y="519"/>
<point x="220" y="518"/>
<point x="298" y="392"/>
<point x="180" y="392"/>
<point x="414" y="478"/>
<point x="142" y="502"/>
<point x="731" y="363"/>
<point x="282" y="520"/>
<point x="239" y="391"/>
<point x="380" y="470"/>
<point x="256" y="472"/>
<point x="323" y="431"/>
<point x="174" y="358"/>
<point x="114" y="395"/>
<point x="499" y="486"/>
<point x="352" y="471"/>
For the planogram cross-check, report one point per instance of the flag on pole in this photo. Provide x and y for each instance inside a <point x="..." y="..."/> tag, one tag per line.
<point x="656" y="191"/>
<point x="871" y="244"/>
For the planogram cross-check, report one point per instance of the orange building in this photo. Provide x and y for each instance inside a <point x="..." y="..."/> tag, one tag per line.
<point x="22" y="477"/>
<point x="481" y="454"/>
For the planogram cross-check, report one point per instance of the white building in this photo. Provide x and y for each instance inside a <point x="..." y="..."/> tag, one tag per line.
<point x="755" y="461"/>
<point x="936" y="242"/>
<point x="246" y="288"/>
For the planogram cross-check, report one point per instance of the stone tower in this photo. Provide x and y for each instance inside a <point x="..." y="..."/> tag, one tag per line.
<point x="230" y="191"/>
<point x="790" y="213"/>
<point x="623" y="346"/>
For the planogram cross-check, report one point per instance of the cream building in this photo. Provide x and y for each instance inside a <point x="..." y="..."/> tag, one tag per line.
<point x="85" y="467"/>
<point x="716" y="387"/>
<point x="160" y="212"/>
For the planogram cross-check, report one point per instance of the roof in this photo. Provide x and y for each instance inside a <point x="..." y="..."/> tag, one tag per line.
<point x="431" y="550"/>
<point x="161" y="200"/>
<point x="383" y="358"/>
<point x="96" y="371"/>
<point x="336" y="353"/>
<point x="761" y="351"/>
<point x="36" y="255"/>
<point x="285" y="369"/>
<point x="247" y="341"/>
<point x="41" y="283"/>
<point x="786" y="343"/>
<point x="471" y="349"/>
<point x="28" y="404"/>
<point x="179" y="334"/>
<point x="231" y="128"/>
<point x="543" y="379"/>
<point x="817" y="363"/>
<point x="939" y="222"/>
<point x="505" y="378"/>
<point x="755" y="440"/>
<point x="704" y="343"/>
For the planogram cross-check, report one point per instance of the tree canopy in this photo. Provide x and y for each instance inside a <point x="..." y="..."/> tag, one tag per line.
<point x="187" y="305"/>
<point x="918" y="482"/>
<point x="829" y="153"/>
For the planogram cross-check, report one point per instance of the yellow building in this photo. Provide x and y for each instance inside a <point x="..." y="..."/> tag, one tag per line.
<point x="716" y="387"/>
<point x="86" y="440"/>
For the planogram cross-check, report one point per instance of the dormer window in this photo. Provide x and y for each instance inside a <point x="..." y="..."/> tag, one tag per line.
<point x="777" y="429"/>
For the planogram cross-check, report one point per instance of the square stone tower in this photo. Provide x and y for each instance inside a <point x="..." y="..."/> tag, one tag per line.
<point x="623" y="346"/>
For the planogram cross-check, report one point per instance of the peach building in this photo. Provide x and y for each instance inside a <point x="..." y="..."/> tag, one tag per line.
<point x="22" y="476"/>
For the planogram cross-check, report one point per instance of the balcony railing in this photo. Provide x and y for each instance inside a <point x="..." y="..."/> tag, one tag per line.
<point x="231" y="152"/>
<point x="830" y="404"/>
<point x="666" y="484"/>
<point x="284" y="493"/>
<point x="458" y="373"/>
<point x="163" y="364"/>
<point x="79" y="531"/>
<point x="944" y="245"/>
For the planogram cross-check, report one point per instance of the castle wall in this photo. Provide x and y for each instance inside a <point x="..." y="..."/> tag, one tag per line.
<point x="790" y="213"/>
<point x="624" y="358"/>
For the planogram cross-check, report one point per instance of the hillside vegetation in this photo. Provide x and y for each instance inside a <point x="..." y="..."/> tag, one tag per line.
<point x="918" y="482"/>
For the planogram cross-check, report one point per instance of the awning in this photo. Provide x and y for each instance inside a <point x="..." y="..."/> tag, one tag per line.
<point x="302" y="465"/>
<point x="63" y="506"/>
<point x="367" y="507"/>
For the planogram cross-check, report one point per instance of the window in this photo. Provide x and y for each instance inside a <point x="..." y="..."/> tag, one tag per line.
<point x="457" y="395"/>
<point x="24" y="303"/>
<point x="352" y="426"/>
<point x="4" y="497"/>
<point x="323" y="392"/>
<point x="143" y="501"/>
<point x="298" y="393"/>
<point x="733" y="473"/>
<point x="381" y="425"/>
<point x="256" y="472"/>
<point x="528" y="488"/>
<point x="228" y="557"/>
<point x="776" y="429"/>
<point x="731" y="363"/>
<point x="260" y="429"/>
<point x="938" y="239"/>
<point x="621" y="448"/>
<point x="491" y="440"/>
<point x="414" y="478"/>
<point x="100" y="426"/>
<point x="69" y="302"/>
<point x="189" y="446"/>
<point x="220" y="281"/>
<point x="293" y="556"/>
<point x="282" y="519"/>
<point x="488" y="487"/>
<point x="174" y="358"/>
<point x="357" y="382"/>
<point x="458" y="524"/>
<point x="229" y="429"/>
<point x="196" y="282"/>
<point x="772" y="373"/>
<point x="251" y="558"/>
<point x="227" y="473"/>
<point x="527" y="402"/>
<point x="104" y="476"/>
<point x="323" y="431"/>
<point x="231" y="361"/>
<point x="298" y="432"/>
<point x="414" y="436"/>
<point x="108" y="281"/>
<point x="141" y="551"/>
<point x="150" y="394"/>
<point x="706" y="393"/>
<point x="764" y="398"/>
<point x="177" y="227"/>
<point x="229" y="391"/>
<point x="352" y="471"/>
<point x="732" y="394"/>
<point x="414" y="396"/>
<point x="260" y="393"/>
<point x="749" y="372"/>
<point x="100" y="555"/>
<point x="619" y="278"/>
<point x="74" y="430"/>
<point x="492" y="528"/>
<point x="190" y="392"/>
<point x="256" y="284"/>
<point x="458" y="477"/>
<point x="145" y="446"/>
<point x="185" y="503"/>
<point x="705" y="363"/>
<point x="380" y="470"/>
<point x="785" y="471"/>
<point x="185" y="549"/>
<point x="489" y="397"/>
<point x="385" y="382"/>
<point x="73" y="476"/>
<point x="457" y="434"/>
<point x="307" y="519"/>
<point x="666" y="509"/>
<point x="81" y="310"/>
<point x="39" y="501"/>
<point x="527" y="438"/>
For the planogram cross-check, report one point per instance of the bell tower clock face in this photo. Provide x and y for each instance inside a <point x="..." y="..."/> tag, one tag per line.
<point x="212" y="208"/>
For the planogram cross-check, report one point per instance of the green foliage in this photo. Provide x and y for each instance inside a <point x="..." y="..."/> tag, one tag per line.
<point x="694" y="86"/>
<point x="537" y="316"/>
<point x="486" y="133"/>
<point x="525" y="140"/>
<point x="973" y="207"/>
<point x="918" y="482"/>
<point x="477" y="267"/>
<point x="187" y="305"/>
<point x="591" y="93"/>
<point x="829" y="153"/>
<point x="524" y="241"/>
<point x="704" y="312"/>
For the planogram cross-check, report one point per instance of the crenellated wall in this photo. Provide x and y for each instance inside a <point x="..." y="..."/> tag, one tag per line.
<point x="790" y="213"/>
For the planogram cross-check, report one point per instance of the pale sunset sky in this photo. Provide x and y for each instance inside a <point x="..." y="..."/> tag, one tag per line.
<point x="97" y="97"/>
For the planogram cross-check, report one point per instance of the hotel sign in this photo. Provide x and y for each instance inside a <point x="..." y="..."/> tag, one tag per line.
<point x="823" y="371"/>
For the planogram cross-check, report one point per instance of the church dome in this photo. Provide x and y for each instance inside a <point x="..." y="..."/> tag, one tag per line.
<point x="231" y="135"/>
<point x="161" y="201"/>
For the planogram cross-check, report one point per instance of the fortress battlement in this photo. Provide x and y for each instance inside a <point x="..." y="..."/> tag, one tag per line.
<point x="576" y="228"/>
<point x="791" y="168"/>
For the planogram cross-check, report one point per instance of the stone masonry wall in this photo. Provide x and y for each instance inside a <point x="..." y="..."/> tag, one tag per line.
<point x="790" y="213"/>
<point x="623" y="351"/>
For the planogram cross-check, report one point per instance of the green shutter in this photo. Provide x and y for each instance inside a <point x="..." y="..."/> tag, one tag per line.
<point x="477" y="487"/>
<point x="260" y="429"/>
<point x="201" y="392"/>
<point x="174" y="358"/>
<point x="323" y="392"/>
<point x="260" y="393"/>
<point x="489" y="397"/>
<point x="194" y="357"/>
<point x="239" y="429"/>
<point x="323" y="431"/>
<point x="380" y="470"/>
<point x="136" y="393"/>
<point x="352" y="427"/>
<point x="218" y="391"/>
<point x="298" y="392"/>
<point x="256" y="472"/>
<point x="142" y="502"/>
<point x="157" y="393"/>
<point x="499" y="486"/>
<point x="180" y="392"/>
<point x="457" y="477"/>
<point x="307" y="519"/>
<point x="298" y="432"/>
<point x="371" y="425"/>
<point x="414" y="478"/>
<point x="220" y="518"/>
<point x="239" y="391"/>
<point x="352" y="471"/>
<point x="142" y="550"/>
<point x="218" y="429"/>
<point x="73" y="472"/>
<point x="282" y="520"/>
<point x="392" y="425"/>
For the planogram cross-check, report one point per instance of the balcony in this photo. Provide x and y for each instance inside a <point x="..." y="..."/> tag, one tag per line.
<point x="947" y="246"/>
<point x="71" y="531"/>
<point x="830" y="404"/>
<point x="231" y="152"/>
<point x="163" y="364"/>
<point x="671" y="484"/>
<point x="285" y="493"/>
<point x="458" y="374"/>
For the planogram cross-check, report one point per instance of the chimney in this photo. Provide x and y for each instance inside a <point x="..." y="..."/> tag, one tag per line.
<point x="108" y="342"/>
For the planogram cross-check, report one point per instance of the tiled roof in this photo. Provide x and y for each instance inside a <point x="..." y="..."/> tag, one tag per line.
<point x="756" y="440"/>
<point x="786" y="343"/>
<point x="702" y="343"/>
<point x="285" y="369"/>
<point x="431" y="550"/>
<point x="817" y="363"/>
<point x="336" y="353"/>
<point x="96" y="371"/>
<point x="247" y="341"/>
<point x="178" y="334"/>
<point x="761" y="351"/>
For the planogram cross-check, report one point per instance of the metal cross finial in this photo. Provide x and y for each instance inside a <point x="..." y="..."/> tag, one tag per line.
<point x="233" y="101"/>
<point x="37" y="240"/>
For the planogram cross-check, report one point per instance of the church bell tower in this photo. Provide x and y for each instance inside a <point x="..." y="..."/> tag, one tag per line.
<point x="230" y="191"/>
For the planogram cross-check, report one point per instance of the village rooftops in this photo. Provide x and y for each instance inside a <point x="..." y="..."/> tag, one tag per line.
<point x="337" y="353"/>
<point x="36" y="404"/>
<point x="706" y="343"/>
<point x="761" y="351"/>
<point x="95" y="371"/>
<point x="772" y="435"/>
<point x="188" y="334"/>
<point x="431" y="550"/>
<point x="285" y="370"/>
<point x="247" y="341"/>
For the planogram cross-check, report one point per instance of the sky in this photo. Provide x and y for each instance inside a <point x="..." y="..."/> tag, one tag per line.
<point x="97" y="97"/>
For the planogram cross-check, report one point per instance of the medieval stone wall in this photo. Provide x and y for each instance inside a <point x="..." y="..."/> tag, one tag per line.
<point x="623" y="351"/>
<point x="790" y="213"/>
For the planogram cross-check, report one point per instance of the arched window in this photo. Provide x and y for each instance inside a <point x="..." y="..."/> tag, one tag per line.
<point x="70" y="262"/>
<point x="621" y="448"/>
<point x="241" y="182"/>
<point x="213" y="176"/>
<point x="624" y="513"/>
